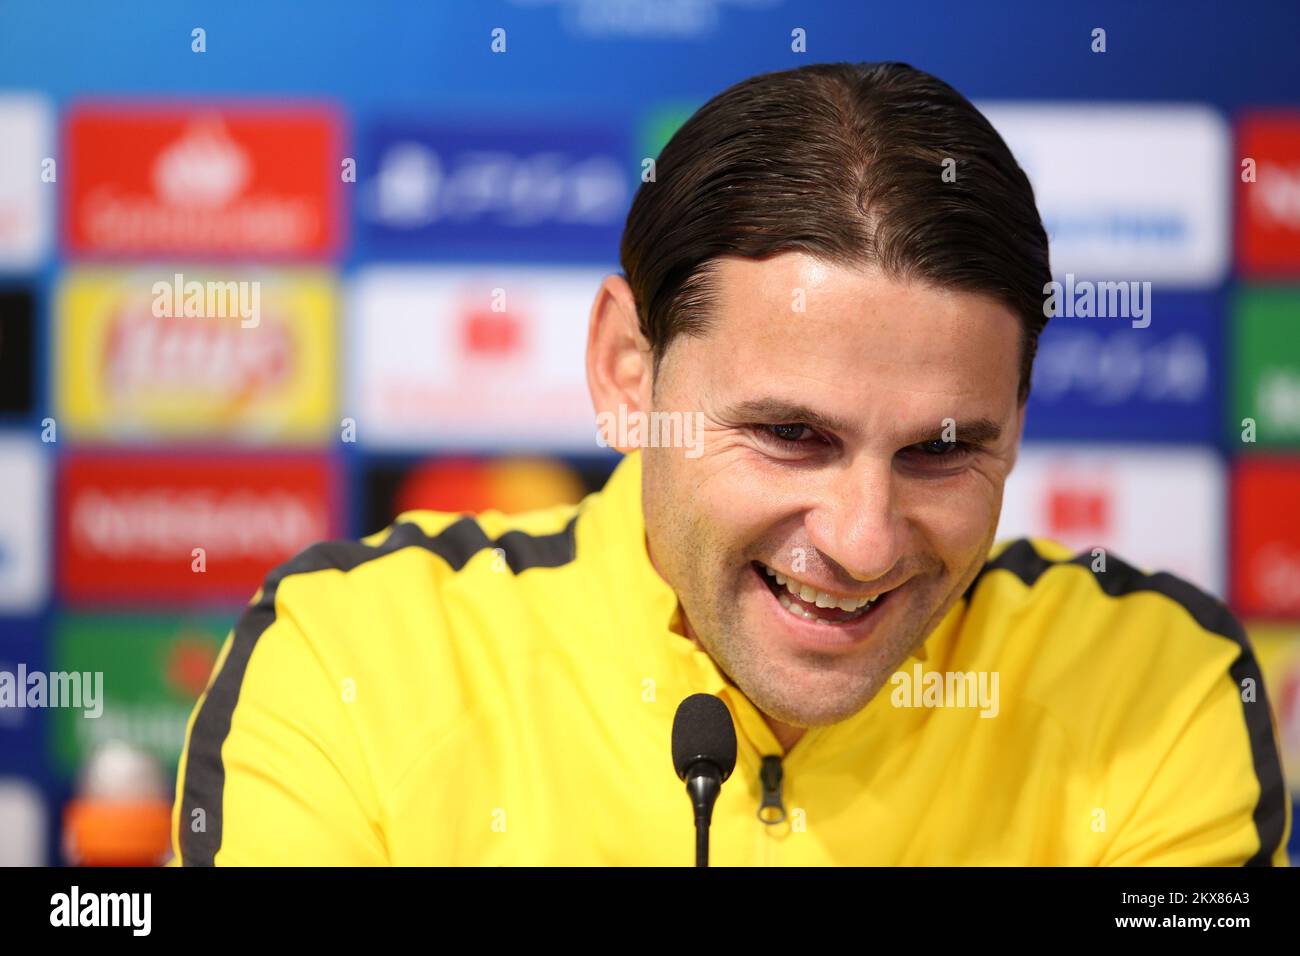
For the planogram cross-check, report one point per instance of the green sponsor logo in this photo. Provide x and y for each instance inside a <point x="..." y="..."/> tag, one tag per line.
<point x="1266" y="365"/>
<point x="154" y="669"/>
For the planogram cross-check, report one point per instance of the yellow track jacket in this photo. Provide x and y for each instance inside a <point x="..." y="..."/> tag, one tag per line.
<point x="492" y="690"/>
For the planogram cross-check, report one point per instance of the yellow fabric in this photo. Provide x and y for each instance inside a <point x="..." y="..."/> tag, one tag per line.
<point x="403" y="712"/>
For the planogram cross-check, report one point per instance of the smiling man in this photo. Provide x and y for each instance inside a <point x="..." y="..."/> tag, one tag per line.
<point x="828" y="527"/>
<point x="837" y="273"/>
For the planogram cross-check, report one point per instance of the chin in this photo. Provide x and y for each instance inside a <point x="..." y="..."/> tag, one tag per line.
<point x="798" y="714"/>
<point x="808" y="693"/>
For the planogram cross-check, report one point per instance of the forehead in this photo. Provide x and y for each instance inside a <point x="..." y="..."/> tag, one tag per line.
<point x="804" y="329"/>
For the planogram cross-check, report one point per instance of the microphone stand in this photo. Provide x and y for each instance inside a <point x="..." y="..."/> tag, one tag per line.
<point x="703" y="783"/>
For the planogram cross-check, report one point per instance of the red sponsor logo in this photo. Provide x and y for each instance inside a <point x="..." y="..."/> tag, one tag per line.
<point x="1077" y="510"/>
<point x="1266" y="547"/>
<point x="178" y="527"/>
<point x="1268" y="209"/>
<point x="251" y="181"/>
<point x="493" y="335"/>
<point x="489" y="334"/>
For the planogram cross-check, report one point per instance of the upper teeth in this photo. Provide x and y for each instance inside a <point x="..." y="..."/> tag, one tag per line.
<point x="819" y="598"/>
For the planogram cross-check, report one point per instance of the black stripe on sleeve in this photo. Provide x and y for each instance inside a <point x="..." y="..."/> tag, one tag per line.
<point x="205" y="774"/>
<point x="1211" y="615"/>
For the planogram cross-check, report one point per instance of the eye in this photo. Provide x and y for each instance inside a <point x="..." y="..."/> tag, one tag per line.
<point x="789" y="438"/>
<point x="788" y="433"/>
<point x="937" y="450"/>
<point x="939" y="447"/>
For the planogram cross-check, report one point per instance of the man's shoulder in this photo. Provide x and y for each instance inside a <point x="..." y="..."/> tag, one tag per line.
<point x="413" y="610"/>
<point x="1141" y="674"/>
<point x="410" y="591"/>
<point x="433" y="546"/>
<point x="1091" y="637"/>
<point x="1108" y="648"/>
<point x="1081" y="592"/>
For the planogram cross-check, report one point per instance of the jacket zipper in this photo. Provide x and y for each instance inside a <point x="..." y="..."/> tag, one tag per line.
<point x="772" y="810"/>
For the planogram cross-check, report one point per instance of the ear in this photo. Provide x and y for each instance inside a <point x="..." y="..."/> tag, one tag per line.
<point x="619" y="364"/>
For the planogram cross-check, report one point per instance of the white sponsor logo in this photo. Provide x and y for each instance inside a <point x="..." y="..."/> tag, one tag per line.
<point x="158" y="523"/>
<point x="23" y="822"/>
<point x="24" y="488"/>
<point x="205" y="167"/>
<point x="142" y="354"/>
<point x="1275" y="195"/>
<point x="1276" y="571"/>
<point x="199" y="181"/>
<point x="1279" y="400"/>
<point x="417" y="187"/>
<point x="679" y="19"/>
<point x="1156" y="509"/>
<point x="1126" y="189"/>
<point x="1116" y="368"/>
<point x="26" y="201"/>
<point x="478" y="358"/>
<point x="159" y="728"/>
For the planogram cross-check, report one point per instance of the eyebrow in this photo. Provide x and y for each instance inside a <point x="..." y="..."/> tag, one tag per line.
<point x="775" y="411"/>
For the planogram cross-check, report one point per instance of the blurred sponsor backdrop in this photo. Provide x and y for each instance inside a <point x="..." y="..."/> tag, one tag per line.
<point x="274" y="272"/>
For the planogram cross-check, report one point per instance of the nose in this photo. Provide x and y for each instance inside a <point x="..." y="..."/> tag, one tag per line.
<point x="857" y="523"/>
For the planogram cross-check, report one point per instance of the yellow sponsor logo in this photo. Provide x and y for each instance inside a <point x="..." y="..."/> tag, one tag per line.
<point x="173" y="352"/>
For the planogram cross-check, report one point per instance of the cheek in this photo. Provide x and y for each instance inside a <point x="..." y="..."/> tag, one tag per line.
<point x="956" y="521"/>
<point x="732" y="519"/>
<point x="732" y="512"/>
<point x="700" y="518"/>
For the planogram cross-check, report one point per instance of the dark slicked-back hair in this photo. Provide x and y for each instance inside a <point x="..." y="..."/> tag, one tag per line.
<point x="842" y="161"/>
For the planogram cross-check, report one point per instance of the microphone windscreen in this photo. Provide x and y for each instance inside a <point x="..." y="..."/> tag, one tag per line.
<point x="702" y="730"/>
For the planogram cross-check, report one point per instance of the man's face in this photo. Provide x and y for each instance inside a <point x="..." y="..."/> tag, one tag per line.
<point x="825" y="462"/>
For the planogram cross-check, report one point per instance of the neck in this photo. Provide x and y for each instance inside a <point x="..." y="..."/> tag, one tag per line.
<point x="786" y="735"/>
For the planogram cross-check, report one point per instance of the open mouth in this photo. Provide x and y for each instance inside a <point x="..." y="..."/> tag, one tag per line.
<point x="805" y="602"/>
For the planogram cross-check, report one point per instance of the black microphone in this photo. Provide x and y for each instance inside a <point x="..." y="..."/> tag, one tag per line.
<point x="704" y="754"/>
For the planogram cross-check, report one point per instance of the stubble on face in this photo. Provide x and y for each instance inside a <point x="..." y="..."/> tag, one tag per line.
<point x="818" y="690"/>
<point x="708" y="519"/>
